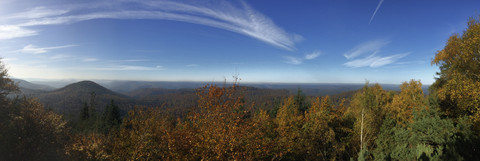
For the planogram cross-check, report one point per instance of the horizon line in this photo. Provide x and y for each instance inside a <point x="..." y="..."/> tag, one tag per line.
<point x="198" y="81"/>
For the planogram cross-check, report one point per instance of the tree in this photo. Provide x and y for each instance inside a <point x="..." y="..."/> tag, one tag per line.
<point x="28" y="131"/>
<point x="300" y="101"/>
<point x="318" y="136"/>
<point x="111" y="118"/>
<point x="427" y="137"/>
<point x="289" y="128"/>
<point x="7" y="86"/>
<point x="145" y="135"/>
<point x="458" y="84"/>
<point x="368" y="107"/>
<point x="84" y="113"/>
<point x="262" y="137"/>
<point x="220" y="123"/>
<point x="410" y="96"/>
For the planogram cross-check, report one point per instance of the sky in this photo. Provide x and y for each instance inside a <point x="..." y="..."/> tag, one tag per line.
<point x="316" y="41"/>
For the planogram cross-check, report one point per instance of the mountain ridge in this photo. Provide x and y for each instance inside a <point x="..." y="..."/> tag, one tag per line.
<point x="71" y="98"/>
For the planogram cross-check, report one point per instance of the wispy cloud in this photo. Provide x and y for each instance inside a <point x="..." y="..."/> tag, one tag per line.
<point x="293" y="60"/>
<point x="374" y="61"/>
<point x="89" y="59"/>
<point x="239" y="18"/>
<point x="72" y="58"/>
<point x="31" y="49"/>
<point x="300" y="60"/>
<point x="9" y="59"/>
<point x="372" y="48"/>
<point x="367" y="47"/>
<point x="125" y="68"/>
<point x="312" y="55"/>
<point x="375" y="12"/>
<point x="12" y="31"/>
<point x="37" y="12"/>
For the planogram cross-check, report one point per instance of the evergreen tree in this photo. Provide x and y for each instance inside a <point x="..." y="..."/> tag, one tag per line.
<point x="428" y="137"/>
<point x="300" y="102"/>
<point x="111" y="118"/>
<point x="84" y="113"/>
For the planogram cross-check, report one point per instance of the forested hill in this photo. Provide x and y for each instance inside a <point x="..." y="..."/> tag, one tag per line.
<point x="71" y="98"/>
<point x="23" y="84"/>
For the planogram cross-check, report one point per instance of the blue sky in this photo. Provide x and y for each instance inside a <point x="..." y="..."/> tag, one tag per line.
<point x="321" y="41"/>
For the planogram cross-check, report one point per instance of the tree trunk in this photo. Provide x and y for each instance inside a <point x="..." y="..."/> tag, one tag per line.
<point x="361" y="130"/>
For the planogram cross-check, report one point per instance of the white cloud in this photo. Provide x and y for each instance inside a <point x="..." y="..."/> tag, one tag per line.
<point x="31" y="49"/>
<point x="241" y="18"/>
<point x="375" y="12"/>
<point x="374" y="61"/>
<point x="12" y="31"/>
<point x="312" y="55"/>
<point x="64" y="57"/>
<point x="89" y="59"/>
<point x="366" y="47"/>
<point x="38" y="12"/>
<point x="293" y="60"/>
<point x="125" y="68"/>
<point x="300" y="60"/>
<point x="8" y="59"/>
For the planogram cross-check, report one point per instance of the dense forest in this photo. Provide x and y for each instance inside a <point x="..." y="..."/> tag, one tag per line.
<point x="371" y="124"/>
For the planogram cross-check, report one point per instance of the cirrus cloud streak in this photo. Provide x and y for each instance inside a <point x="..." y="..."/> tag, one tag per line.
<point x="239" y="18"/>
<point x="374" y="61"/>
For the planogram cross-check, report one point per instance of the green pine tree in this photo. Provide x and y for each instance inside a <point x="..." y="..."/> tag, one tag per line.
<point x="111" y="118"/>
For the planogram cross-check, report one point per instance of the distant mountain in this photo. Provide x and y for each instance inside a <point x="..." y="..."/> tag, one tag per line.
<point x="32" y="86"/>
<point x="86" y="87"/>
<point x="71" y="98"/>
<point x="152" y="92"/>
<point x="55" y="83"/>
<point x="129" y="86"/>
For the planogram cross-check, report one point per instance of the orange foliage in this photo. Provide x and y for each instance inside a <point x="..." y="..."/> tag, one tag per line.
<point x="411" y="97"/>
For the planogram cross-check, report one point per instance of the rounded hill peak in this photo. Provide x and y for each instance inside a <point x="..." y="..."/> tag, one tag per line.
<point x="86" y="87"/>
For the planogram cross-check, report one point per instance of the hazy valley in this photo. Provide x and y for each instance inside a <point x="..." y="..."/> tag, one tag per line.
<point x="70" y="98"/>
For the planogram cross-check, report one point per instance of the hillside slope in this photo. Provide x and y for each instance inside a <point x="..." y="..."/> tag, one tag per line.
<point x="71" y="98"/>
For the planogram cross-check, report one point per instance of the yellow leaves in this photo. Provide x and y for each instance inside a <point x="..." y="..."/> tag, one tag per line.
<point x="411" y="96"/>
<point x="219" y="124"/>
<point x="89" y="146"/>
<point x="221" y="128"/>
<point x="458" y="85"/>
<point x="29" y="132"/>
<point x="368" y="108"/>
